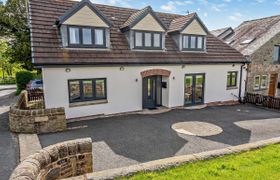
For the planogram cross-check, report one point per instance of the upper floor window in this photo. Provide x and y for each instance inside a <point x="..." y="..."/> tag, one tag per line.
<point x="147" y="40"/>
<point x="193" y="43"/>
<point x="86" y="37"/>
<point x="276" y="54"/>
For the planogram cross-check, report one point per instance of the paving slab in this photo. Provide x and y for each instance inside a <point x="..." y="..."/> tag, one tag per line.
<point x="28" y="144"/>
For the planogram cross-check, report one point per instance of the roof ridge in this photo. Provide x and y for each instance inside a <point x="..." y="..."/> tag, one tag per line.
<point x="268" y="17"/>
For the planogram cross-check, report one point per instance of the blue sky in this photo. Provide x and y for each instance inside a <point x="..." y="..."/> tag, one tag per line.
<point x="214" y="13"/>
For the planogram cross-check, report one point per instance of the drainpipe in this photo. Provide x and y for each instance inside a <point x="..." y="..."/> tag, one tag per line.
<point x="240" y="83"/>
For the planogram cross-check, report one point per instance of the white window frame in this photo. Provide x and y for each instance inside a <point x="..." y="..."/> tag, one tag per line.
<point x="264" y="87"/>
<point x="257" y="88"/>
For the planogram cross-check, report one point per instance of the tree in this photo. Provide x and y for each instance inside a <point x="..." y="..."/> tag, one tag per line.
<point x="14" y="28"/>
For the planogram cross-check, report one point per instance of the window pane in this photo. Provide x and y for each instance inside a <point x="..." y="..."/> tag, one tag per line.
<point x="233" y="79"/>
<point x="185" y="41"/>
<point x="74" y="90"/>
<point x="193" y="41"/>
<point x="148" y="39"/>
<point x="157" y="40"/>
<point x="87" y="39"/>
<point x="199" y="42"/>
<point x="138" y="39"/>
<point x="276" y="54"/>
<point x="100" y="88"/>
<point x="99" y="37"/>
<point x="87" y="87"/>
<point x="264" y="81"/>
<point x="228" y="79"/>
<point x="74" y="35"/>
<point x="257" y="82"/>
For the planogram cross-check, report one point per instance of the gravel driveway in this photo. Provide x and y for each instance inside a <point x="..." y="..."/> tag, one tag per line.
<point x="127" y="140"/>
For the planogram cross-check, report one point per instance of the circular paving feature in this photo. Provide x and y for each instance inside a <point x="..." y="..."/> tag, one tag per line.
<point x="196" y="128"/>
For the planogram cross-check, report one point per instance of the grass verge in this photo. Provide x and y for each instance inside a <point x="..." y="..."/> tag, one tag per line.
<point x="258" y="164"/>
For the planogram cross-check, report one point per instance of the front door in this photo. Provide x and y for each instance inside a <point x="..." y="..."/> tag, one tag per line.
<point x="151" y="92"/>
<point x="194" y="89"/>
<point x="272" y="85"/>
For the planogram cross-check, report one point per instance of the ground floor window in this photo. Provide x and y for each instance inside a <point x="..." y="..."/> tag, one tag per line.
<point x="87" y="89"/>
<point x="260" y="82"/>
<point x="232" y="79"/>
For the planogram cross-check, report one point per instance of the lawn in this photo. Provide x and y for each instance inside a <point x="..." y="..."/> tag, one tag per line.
<point x="258" y="164"/>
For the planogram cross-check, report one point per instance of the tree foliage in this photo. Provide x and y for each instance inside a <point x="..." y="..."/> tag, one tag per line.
<point x="14" y="28"/>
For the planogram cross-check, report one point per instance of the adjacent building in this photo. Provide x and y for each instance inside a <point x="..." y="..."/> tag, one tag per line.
<point x="259" y="41"/>
<point x="98" y="59"/>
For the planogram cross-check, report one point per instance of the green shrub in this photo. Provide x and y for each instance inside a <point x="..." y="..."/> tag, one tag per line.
<point x="22" y="79"/>
<point x="5" y="81"/>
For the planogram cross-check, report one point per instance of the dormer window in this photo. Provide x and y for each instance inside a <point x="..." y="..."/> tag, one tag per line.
<point x="189" y="33"/>
<point x="84" y="26"/>
<point x="147" y="40"/>
<point x="144" y="30"/>
<point x="86" y="37"/>
<point x="193" y="42"/>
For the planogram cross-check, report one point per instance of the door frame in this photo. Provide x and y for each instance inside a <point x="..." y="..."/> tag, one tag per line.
<point x="156" y="103"/>
<point x="193" y="88"/>
<point x="274" y="84"/>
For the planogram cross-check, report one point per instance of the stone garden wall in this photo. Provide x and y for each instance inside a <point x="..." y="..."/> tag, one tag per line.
<point x="25" y="119"/>
<point x="58" y="161"/>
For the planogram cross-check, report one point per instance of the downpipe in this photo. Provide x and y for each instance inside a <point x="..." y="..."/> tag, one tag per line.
<point x="240" y="85"/>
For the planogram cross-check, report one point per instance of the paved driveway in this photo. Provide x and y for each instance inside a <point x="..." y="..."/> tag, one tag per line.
<point x="131" y="139"/>
<point x="8" y="141"/>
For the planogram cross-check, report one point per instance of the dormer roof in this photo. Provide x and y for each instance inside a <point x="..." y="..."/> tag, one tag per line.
<point x="77" y="7"/>
<point x="138" y="16"/>
<point x="47" y="44"/>
<point x="181" y="23"/>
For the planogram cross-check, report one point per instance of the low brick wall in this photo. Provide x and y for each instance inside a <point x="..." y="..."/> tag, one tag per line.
<point x="37" y="120"/>
<point x="24" y="119"/>
<point x="58" y="161"/>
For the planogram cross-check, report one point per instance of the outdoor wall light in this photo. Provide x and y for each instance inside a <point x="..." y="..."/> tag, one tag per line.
<point x="183" y="66"/>
<point x="136" y="80"/>
<point x="67" y="70"/>
<point x="173" y="77"/>
<point x="122" y="68"/>
<point x="233" y="65"/>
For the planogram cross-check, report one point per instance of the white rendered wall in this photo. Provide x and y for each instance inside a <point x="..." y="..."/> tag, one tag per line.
<point x="124" y="93"/>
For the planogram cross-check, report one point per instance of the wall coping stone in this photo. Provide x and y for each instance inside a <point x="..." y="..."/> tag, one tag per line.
<point x="39" y="165"/>
<point x="173" y="161"/>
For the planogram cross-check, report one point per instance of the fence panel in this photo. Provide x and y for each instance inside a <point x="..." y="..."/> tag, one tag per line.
<point x="35" y="95"/>
<point x="261" y="100"/>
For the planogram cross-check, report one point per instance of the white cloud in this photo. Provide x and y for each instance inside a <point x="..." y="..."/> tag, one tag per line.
<point x="205" y="14"/>
<point x="218" y="7"/>
<point x="123" y="3"/>
<point x="277" y="2"/>
<point x="170" y="6"/>
<point x="260" y="1"/>
<point x="236" y="17"/>
<point x="227" y="1"/>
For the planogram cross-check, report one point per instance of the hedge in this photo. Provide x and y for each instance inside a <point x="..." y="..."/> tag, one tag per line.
<point x="22" y="79"/>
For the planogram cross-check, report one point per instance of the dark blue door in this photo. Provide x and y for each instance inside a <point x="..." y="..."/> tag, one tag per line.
<point x="149" y="92"/>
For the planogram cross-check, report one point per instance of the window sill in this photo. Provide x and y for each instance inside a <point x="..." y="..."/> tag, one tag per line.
<point x="89" y="49"/>
<point x="88" y="103"/>
<point x="260" y="89"/>
<point x="232" y="88"/>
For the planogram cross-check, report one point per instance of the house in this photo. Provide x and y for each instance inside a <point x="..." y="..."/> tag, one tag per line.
<point x="98" y="59"/>
<point x="259" y="41"/>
